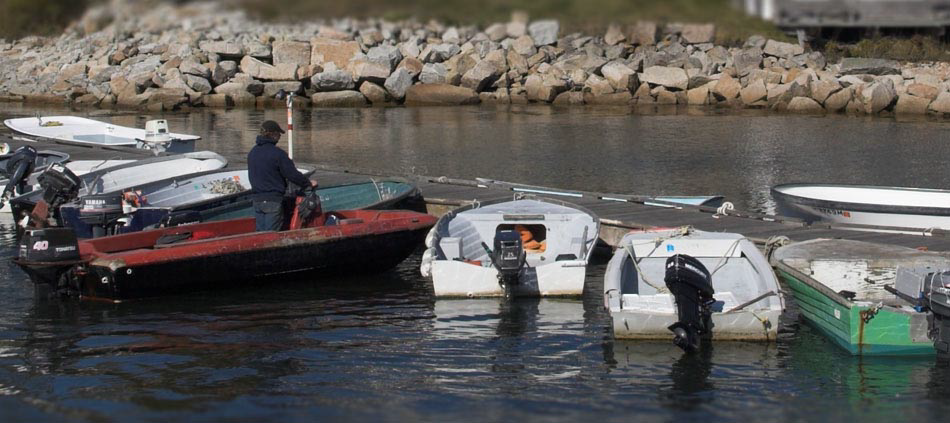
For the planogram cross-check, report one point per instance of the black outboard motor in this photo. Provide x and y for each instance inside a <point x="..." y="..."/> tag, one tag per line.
<point x="508" y="257"/>
<point x="310" y="206"/>
<point x="691" y="286"/>
<point x="47" y="254"/>
<point x="19" y="166"/>
<point x="60" y="185"/>
<point x="101" y="212"/>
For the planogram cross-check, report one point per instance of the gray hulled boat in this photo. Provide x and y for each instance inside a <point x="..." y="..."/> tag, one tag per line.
<point x="642" y="305"/>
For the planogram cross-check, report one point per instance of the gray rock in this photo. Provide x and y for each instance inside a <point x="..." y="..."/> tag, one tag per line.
<point x="804" y="105"/>
<point x="197" y="83"/>
<point x="909" y="104"/>
<point x="598" y="86"/>
<point x="224" y="48"/>
<point x="295" y="52"/>
<point x="272" y="88"/>
<point x="369" y="70"/>
<point x="524" y="46"/>
<point x="544" y="87"/>
<point x="878" y="96"/>
<point x="747" y="60"/>
<point x="481" y="76"/>
<point x="240" y="85"/>
<point x="437" y="53"/>
<point x="815" y="60"/>
<point x="859" y="66"/>
<point x="620" y="76"/>
<point x="338" y="99"/>
<point x="544" y="32"/>
<point x="257" y="50"/>
<point x="385" y="54"/>
<point x="332" y="80"/>
<point x="192" y="67"/>
<point x="374" y="93"/>
<point x="398" y="83"/>
<point x="260" y="70"/>
<point x="440" y="94"/>
<point x="675" y="78"/>
<point x="496" y="32"/>
<point x="783" y="50"/>
<point x="941" y="104"/>
<point x="326" y="50"/>
<point x="433" y="73"/>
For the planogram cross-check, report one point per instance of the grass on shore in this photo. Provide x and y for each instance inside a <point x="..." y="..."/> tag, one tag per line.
<point x="590" y="16"/>
<point x="19" y="18"/>
<point x="916" y="49"/>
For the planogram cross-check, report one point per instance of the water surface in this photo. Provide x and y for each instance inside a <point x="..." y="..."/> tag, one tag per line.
<point x="382" y="348"/>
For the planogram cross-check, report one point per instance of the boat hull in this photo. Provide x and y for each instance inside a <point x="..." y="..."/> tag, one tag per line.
<point x="224" y="254"/>
<point x="759" y="325"/>
<point x="112" y="280"/>
<point x="847" y="211"/>
<point x="890" y="331"/>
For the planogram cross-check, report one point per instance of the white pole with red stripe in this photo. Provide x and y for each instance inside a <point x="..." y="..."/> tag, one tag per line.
<point x="290" y="125"/>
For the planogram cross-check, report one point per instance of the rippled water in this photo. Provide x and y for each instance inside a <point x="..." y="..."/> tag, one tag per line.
<point x="381" y="348"/>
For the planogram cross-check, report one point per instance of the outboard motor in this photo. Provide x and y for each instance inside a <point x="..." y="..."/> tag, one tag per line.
<point x="60" y="185"/>
<point x="19" y="166"/>
<point x="691" y="286"/>
<point x="928" y="291"/>
<point x="100" y="212"/>
<point x="47" y="254"/>
<point x="508" y="257"/>
<point x="308" y="208"/>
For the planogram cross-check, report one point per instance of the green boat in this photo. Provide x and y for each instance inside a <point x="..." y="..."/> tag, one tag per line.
<point x="839" y="286"/>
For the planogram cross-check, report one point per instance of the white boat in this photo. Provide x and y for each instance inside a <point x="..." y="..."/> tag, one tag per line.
<point x="73" y="129"/>
<point x="78" y="167"/>
<point x="525" y="247"/>
<point x="642" y="305"/>
<point x="894" y="207"/>
<point x="126" y="176"/>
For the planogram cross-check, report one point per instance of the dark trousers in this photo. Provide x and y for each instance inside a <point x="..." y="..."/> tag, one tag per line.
<point x="269" y="215"/>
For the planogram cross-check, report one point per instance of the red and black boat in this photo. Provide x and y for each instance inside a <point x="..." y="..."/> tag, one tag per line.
<point x="220" y="254"/>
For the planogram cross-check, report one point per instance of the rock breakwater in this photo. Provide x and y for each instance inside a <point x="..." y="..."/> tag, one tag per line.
<point x="171" y="57"/>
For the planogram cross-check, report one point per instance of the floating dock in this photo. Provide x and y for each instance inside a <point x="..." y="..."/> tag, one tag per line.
<point x="619" y="213"/>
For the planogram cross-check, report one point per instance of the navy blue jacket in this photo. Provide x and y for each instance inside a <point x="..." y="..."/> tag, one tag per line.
<point x="269" y="169"/>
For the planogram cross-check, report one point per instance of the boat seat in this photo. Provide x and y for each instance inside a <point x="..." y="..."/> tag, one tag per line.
<point x="452" y="247"/>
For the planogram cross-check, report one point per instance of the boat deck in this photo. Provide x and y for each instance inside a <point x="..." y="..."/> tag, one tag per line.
<point x="619" y="213"/>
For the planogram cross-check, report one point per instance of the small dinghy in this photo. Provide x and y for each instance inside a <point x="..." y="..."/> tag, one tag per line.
<point x="207" y="197"/>
<point x="77" y="130"/>
<point x="63" y="186"/>
<point x="848" y="290"/>
<point x="527" y="247"/>
<point x="219" y="254"/>
<point x="696" y="284"/>
<point x="891" y="207"/>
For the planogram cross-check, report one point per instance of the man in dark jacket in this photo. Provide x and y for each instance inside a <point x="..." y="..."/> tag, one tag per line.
<point x="269" y="169"/>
